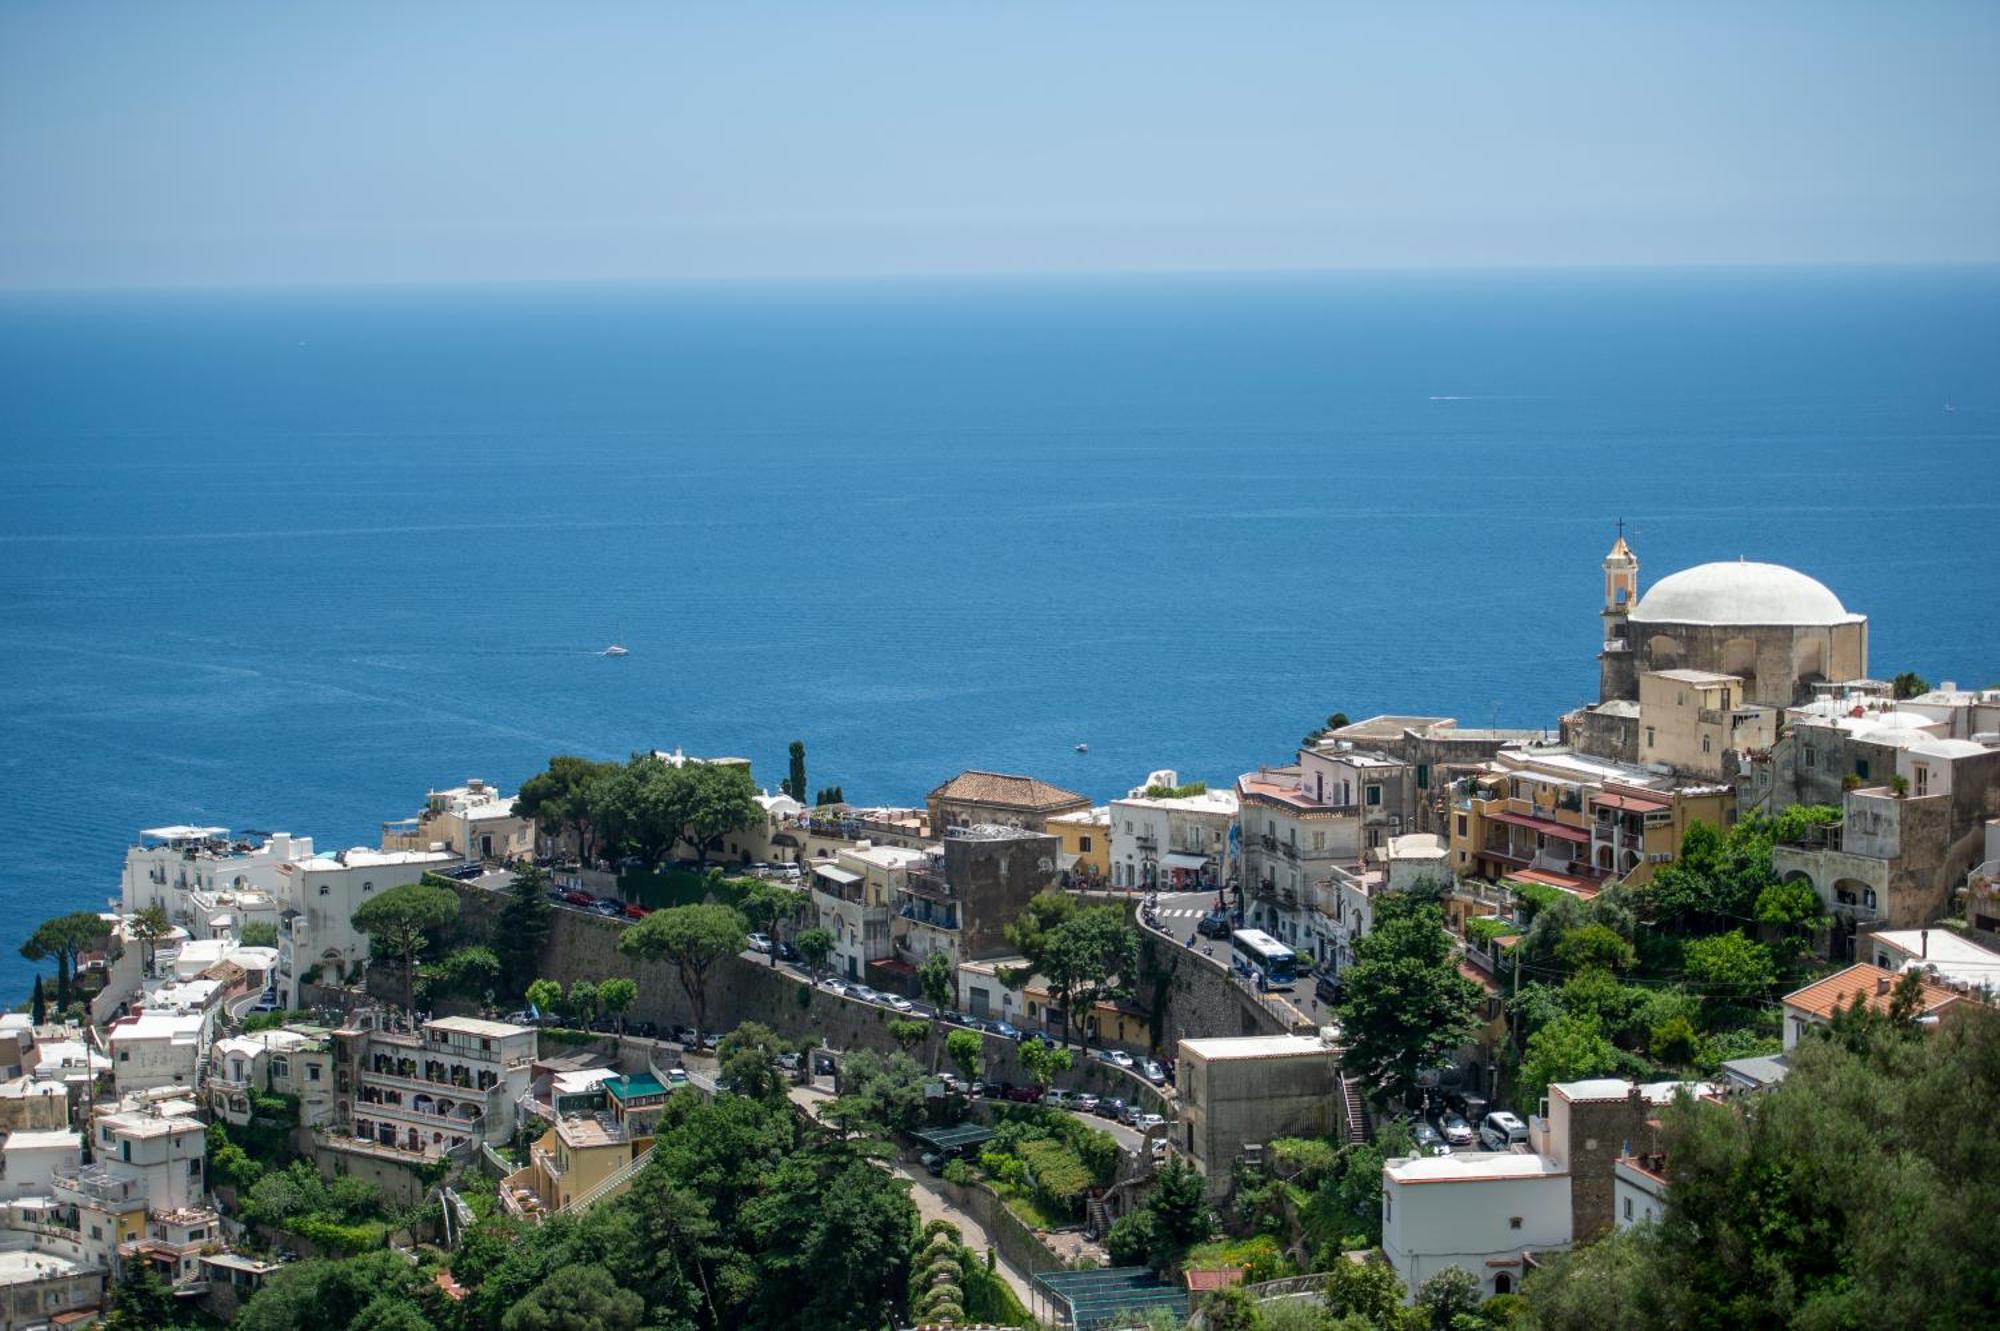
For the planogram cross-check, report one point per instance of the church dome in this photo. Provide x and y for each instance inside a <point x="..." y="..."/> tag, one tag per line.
<point x="1741" y="593"/>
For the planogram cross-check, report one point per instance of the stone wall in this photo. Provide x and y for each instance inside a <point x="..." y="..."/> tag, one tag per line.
<point x="585" y="946"/>
<point x="1192" y="997"/>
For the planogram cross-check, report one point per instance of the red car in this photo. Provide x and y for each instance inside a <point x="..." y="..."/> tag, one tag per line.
<point x="578" y="898"/>
<point x="1025" y="1095"/>
<point x="635" y="911"/>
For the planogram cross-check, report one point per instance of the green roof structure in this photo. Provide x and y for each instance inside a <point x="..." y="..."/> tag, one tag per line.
<point x="946" y="1141"/>
<point x="1109" y="1297"/>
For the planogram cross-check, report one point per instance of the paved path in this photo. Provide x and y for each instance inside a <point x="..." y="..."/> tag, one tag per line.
<point x="932" y="1206"/>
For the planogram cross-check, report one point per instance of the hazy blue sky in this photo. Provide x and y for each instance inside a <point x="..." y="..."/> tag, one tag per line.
<point x="192" y="143"/>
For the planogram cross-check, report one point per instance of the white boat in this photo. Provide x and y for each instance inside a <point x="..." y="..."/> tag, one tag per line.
<point x="614" y="650"/>
<point x="1083" y="748"/>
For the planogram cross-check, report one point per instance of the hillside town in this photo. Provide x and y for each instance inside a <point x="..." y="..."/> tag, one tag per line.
<point x="1412" y="1024"/>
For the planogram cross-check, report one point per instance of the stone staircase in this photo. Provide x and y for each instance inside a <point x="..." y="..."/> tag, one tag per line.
<point x="1360" y="1123"/>
<point x="610" y="1186"/>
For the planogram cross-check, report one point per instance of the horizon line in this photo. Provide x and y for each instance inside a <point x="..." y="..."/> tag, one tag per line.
<point x="887" y="278"/>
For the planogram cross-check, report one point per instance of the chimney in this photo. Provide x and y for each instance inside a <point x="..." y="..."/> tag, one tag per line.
<point x="1923" y="943"/>
<point x="1881" y="985"/>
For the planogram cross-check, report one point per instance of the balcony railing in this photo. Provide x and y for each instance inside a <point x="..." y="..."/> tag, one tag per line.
<point x="98" y="1183"/>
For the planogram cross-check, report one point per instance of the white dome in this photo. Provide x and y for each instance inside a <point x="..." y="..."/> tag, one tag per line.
<point x="1740" y="593"/>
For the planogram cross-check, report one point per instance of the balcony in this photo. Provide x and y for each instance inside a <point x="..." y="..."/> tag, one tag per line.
<point x="1289" y="849"/>
<point x="1146" y="841"/>
<point x="1268" y="842"/>
<point x="99" y="1184"/>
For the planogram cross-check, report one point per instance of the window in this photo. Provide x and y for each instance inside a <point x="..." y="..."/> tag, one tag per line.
<point x="1461" y="825"/>
<point x="368" y="887"/>
<point x="312" y="1072"/>
<point x="1923" y="778"/>
<point x="1628" y="1208"/>
<point x="1812" y="756"/>
<point x="324" y="890"/>
<point x="1861" y="768"/>
<point x="281" y="1067"/>
<point x="1388" y="1203"/>
<point x="1083" y="843"/>
<point x="194" y="1167"/>
<point x="1704" y="744"/>
<point x="1649" y="737"/>
<point x="1423" y="776"/>
<point x="1513" y="1222"/>
<point x="1374" y="796"/>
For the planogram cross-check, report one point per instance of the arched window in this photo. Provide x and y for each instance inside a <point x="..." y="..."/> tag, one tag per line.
<point x="1503" y="1283"/>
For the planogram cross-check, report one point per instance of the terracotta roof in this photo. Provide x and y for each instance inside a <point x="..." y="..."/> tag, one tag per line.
<point x="1632" y="802"/>
<point x="1546" y="826"/>
<point x="1201" y="1282"/>
<point x="1581" y="887"/>
<point x="1015" y="792"/>
<point x="1839" y="989"/>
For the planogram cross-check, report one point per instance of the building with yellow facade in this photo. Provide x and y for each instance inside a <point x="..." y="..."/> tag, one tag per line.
<point x="596" y="1145"/>
<point x="1084" y="849"/>
<point x="1572" y="822"/>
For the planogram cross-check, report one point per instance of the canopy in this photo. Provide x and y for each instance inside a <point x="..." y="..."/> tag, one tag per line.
<point x="1180" y="859"/>
<point x="835" y="874"/>
<point x="1100" y="1298"/>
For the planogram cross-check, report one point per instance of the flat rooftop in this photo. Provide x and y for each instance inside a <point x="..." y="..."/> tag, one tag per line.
<point x="1254" y="1046"/>
<point x="20" y="1268"/>
<point x="1473" y="1167"/>
<point x="491" y="1030"/>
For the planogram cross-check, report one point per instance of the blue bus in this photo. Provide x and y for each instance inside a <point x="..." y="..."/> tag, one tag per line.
<point x="1255" y="948"/>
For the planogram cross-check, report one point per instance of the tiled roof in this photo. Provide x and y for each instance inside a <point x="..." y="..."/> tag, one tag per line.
<point x="1838" y="990"/>
<point x="1201" y="1282"/>
<point x="1016" y="792"/>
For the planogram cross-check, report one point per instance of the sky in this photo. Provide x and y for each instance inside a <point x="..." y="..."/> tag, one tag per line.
<point x="201" y="144"/>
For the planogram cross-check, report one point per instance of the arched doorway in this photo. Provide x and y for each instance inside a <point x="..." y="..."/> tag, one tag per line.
<point x="1503" y="1283"/>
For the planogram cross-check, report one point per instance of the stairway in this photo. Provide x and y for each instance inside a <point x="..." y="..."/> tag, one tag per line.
<point x="610" y="1186"/>
<point x="1360" y="1124"/>
<point x="201" y="1072"/>
<point x="1096" y="1218"/>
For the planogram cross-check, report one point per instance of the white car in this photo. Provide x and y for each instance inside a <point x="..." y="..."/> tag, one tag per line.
<point x="677" y="1077"/>
<point x="898" y="1002"/>
<point x="1056" y="1098"/>
<point x="760" y="943"/>
<point x="1121" y="1058"/>
<point x="1147" y="1122"/>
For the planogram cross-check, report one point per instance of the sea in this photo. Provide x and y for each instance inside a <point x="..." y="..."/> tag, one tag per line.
<point x="290" y="559"/>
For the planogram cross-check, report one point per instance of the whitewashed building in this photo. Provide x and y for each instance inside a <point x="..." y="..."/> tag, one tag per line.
<point x="1175" y="844"/>
<point x="321" y="895"/>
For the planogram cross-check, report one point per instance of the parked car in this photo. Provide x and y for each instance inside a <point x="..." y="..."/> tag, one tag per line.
<point x="576" y="898"/>
<point x="609" y="908"/>
<point x="933" y="1163"/>
<point x="1023" y="1095"/>
<point x="976" y="1091"/>
<point x="677" y="1077"/>
<point x="1110" y="1107"/>
<point x="1057" y="1098"/>
<point x="1147" y="1122"/>
<point x="760" y="942"/>
<point x="863" y="992"/>
<point x="1427" y="1140"/>
<point x="687" y="1037"/>
<point x="1084" y="1103"/>
<point x="1159" y="1148"/>
<point x="1329" y="990"/>
<point x="1129" y="1115"/>
<point x="1003" y="1028"/>
<point x="635" y="911"/>
<point x="1215" y="924"/>
<point x="786" y="952"/>
<point x="1150" y="1069"/>
<point x="833" y="986"/>
<point x="645" y="1030"/>
<point x="1119" y="1058"/>
<point x="1500" y="1130"/>
<point x="558" y="896"/>
<point x="789" y="1061"/>
<point x="898" y="1002"/>
<point x="522" y="1018"/>
<point x="1456" y="1130"/>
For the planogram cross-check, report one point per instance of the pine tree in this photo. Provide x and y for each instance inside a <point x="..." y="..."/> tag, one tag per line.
<point x="795" y="784"/>
<point x="40" y="1004"/>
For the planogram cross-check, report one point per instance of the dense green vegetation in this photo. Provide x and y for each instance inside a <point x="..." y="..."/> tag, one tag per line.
<point x="1859" y="1193"/>
<point x="1407" y="1010"/>
<point x="644" y="807"/>
<point x="1085" y="954"/>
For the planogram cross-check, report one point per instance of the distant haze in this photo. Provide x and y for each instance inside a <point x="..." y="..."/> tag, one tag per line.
<point x="206" y="144"/>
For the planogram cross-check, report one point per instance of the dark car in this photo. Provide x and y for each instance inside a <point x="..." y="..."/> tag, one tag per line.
<point x="1111" y="1107"/>
<point x="1214" y="925"/>
<point x="1025" y="1095"/>
<point x="786" y="952"/>
<point x="1003" y="1028"/>
<point x="1329" y="990"/>
<point x="645" y="1030"/>
<point x="578" y="898"/>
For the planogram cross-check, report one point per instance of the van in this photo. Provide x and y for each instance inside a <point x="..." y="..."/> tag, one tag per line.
<point x="1501" y="1131"/>
<point x="1328" y="990"/>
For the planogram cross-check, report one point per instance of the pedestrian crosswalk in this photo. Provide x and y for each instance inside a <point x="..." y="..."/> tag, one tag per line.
<point x="1173" y="913"/>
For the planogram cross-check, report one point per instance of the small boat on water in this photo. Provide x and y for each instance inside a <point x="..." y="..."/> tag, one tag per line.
<point x="614" y="650"/>
<point x="1083" y="748"/>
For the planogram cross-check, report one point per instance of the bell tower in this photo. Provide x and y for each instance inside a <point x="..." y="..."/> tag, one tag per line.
<point x="1617" y="674"/>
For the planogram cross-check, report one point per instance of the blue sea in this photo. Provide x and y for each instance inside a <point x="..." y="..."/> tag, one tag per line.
<point x="289" y="559"/>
